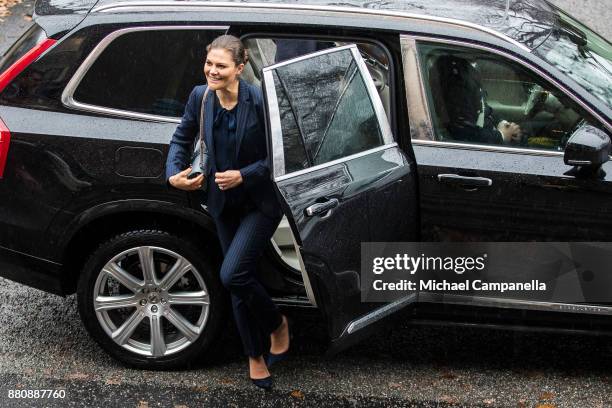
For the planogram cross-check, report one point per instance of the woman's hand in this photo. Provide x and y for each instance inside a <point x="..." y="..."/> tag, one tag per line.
<point x="228" y="179"/>
<point x="181" y="181"/>
<point x="511" y="132"/>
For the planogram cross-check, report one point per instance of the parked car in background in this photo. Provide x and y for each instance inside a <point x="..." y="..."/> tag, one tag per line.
<point x="385" y="123"/>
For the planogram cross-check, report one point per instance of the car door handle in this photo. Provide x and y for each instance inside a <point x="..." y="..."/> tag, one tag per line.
<point x="322" y="208"/>
<point x="465" y="180"/>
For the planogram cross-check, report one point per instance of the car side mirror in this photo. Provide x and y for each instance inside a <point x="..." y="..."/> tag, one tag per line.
<point x="588" y="148"/>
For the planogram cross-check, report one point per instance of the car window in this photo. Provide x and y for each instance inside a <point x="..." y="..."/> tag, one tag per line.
<point x="479" y="97"/>
<point x="325" y="110"/>
<point x="265" y="51"/>
<point x="149" y="72"/>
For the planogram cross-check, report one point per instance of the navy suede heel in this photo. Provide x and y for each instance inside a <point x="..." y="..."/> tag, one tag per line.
<point x="272" y="358"/>
<point x="263" y="383"/>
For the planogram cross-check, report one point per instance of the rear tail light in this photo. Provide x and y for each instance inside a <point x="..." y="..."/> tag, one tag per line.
<point x="5" y="139"/>
<point x="15" y="69"/>
<point x="19" y="57"/>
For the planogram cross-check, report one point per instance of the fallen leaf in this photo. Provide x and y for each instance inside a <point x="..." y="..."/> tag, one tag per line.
<point x="297" y="394"/>
<point x="522" y="403"/>
<point x="547" y="396"/>
<point x="142" y="404"/>
<point x="227" y="381"/>
<point x="545" y="406"/>
<point x="181" y="406"/>
<point x="488" y="401"/>
<point x="113" y="381"/>
<point x="200" y="388"/>
<point x="77" y="376"/>
<point x="394" y="385"/>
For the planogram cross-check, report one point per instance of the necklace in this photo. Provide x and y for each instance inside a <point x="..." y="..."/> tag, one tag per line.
<point x="227" y="106"/>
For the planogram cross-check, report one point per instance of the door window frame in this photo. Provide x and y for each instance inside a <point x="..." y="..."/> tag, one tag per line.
<point x="68" y="92"/>
<point x="278" y="154"/>
<point x="420" y="112"/>
<point x="357" y="39"/>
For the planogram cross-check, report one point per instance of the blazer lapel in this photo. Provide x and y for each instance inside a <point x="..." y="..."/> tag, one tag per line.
<point x="241" y="114"/>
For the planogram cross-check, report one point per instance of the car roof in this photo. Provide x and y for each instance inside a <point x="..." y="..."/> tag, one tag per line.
<point x="528" y="22"/>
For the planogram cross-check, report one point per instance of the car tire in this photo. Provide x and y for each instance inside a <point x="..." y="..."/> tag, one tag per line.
<point x="168" y="318"/>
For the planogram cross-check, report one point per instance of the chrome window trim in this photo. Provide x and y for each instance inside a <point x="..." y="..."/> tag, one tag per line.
<point x="412" y="41"/>
<point x="278" y="154"/>
<point x="379" y="109"/>
<point x="68" y="92"/>
<point x="276" y="133"/>
<point x="138" y="6"/>
<point x="507" y="303"/>
<point x="487" y="148"/>
<point x="334" y="162"/>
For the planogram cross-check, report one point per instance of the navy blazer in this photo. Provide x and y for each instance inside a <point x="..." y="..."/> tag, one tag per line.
<point x="251" y="150"/>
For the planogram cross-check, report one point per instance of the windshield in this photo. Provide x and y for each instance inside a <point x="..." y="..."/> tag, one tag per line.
<point x="582" y="54"/>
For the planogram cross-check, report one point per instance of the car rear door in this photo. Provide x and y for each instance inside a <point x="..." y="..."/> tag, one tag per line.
<point x="341" y="177"/>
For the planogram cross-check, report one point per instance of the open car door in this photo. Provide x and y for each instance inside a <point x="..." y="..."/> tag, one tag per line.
<point x="341" y="177"/>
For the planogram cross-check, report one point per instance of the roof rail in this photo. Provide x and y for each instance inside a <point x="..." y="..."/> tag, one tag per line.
<point x="128" y="6"/>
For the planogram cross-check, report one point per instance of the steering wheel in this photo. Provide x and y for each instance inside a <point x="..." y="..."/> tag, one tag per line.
<point x="537" y="97"/>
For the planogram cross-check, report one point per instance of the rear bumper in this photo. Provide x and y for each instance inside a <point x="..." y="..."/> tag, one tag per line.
<point x="31" y="271"/>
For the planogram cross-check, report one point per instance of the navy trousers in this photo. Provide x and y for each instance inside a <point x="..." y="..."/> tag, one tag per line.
<point x="244" y="234"/>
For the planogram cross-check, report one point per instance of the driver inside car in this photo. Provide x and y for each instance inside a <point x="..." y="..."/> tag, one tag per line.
<point x="469" y="117"/>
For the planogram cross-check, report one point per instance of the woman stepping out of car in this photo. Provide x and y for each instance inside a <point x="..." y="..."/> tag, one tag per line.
<point x="238" y="193"/>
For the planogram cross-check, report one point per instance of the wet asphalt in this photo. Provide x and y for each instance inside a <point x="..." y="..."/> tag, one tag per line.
<point x="44" y="346"/>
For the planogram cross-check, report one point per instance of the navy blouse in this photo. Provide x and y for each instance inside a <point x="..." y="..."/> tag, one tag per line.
<point x="224" y="136"/>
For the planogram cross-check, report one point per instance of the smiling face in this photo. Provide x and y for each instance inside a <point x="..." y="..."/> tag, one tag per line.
<point x="220" y="69"/>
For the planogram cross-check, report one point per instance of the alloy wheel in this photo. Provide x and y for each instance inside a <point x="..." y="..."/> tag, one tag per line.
<point x="151" y="301"/>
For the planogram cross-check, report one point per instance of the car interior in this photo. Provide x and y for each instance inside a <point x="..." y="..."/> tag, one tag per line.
<point x="547" y="119"/>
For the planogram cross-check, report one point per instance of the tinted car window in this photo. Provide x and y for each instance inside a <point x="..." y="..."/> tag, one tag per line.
<point x="472" y="93"/>
<point x="149" y="72"/>
<point x="325" y="110"/>
<point x="353" y="127"/>
<point x="264" y="51"/>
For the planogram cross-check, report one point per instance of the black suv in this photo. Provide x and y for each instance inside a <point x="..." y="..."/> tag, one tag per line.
<point x="364" y="146"/>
